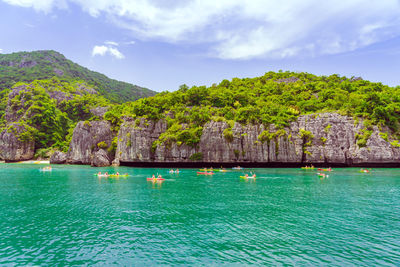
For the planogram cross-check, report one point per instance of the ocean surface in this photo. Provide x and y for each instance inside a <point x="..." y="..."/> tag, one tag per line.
<point x="69" y="217"/>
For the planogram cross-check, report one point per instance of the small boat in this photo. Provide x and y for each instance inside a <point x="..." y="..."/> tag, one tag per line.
<point x="99" y="174"/>
<point x="322" y="175"/>
<point x="364" y="171"/>
<point x="118" y="175"/>
<point x="206" y="170"/>
<point x="155" y="179"/>
<point x="325" y="170"/>
<point x="248" y="177"/>
<point x="237" y="168"/>
<point x="308" y="168"/>
<point x="46" y="169"/>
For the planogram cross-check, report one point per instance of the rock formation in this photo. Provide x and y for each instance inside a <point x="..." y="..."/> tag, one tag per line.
<point x="12" y="148"/>
<point x="58" y="157"/>
<point x="87" y="139"/>
<point x="100" y="159"/>
<point x="135" y="140"/>
<point x="317" y="138"/>
<point x="99" y="111"/>
<point x="325" y="138"/>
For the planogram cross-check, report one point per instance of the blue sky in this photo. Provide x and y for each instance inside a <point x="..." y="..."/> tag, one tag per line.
<point x="162" y="44"/>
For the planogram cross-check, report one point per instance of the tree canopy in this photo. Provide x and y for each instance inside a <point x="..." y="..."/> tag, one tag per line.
<point x="38" y="65"/>
<point x="274" y="98"/>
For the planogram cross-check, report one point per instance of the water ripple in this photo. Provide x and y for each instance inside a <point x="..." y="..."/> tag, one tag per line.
<point x="285" y="217"/>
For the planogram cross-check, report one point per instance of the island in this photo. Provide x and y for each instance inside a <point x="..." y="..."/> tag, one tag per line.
<point x="278" y="119"/>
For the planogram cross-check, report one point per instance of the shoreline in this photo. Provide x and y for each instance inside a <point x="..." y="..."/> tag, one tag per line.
<point x="217" y="165"/>
<point x="31" y="162"/>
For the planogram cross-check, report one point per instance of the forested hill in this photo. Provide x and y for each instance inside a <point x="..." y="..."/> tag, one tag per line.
<point x="43" y="115"/>
<point x="274" y="98"/>
<point x="45" y="64"/>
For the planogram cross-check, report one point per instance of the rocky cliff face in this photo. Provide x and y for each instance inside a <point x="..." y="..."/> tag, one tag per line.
<point x="12" y="148"/>
<point x="88" y="138"/>
<point x="135" y="139"/>
<point x="58" y="157"/>
<point x="318" y="138"/>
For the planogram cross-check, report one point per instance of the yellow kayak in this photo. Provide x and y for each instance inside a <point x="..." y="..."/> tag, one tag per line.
<point x="207" y="170"/>
<point x="248" y="177"/>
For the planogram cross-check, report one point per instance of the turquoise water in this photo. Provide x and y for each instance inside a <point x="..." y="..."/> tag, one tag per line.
<point x="285" y="217"/>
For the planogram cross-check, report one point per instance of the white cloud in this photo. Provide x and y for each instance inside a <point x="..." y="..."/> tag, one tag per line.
<point x="39" y="5"/>
<point x="102" y="50"/>
<point x="115" y="52"/>
<point x="237" y="29"/>
<point x="111" y="43"/>
<point x="1" y="51"/>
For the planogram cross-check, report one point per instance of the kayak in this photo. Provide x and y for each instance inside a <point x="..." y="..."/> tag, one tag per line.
<point x="248" y="177"/>
<point x="45" y="170"/>
<point x="207" y="170"/>
<point x="102" y="175"/>
<point x="155" y="179"/>
<point x="237" y="168"/>
<point x="307" y="168"/>
<point x="205" y="173"/>
<point x="119" y="175"/>
<point x="325" y="170"/>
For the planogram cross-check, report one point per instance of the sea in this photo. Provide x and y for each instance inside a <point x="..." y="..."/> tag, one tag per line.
<point x="284" y="217"/>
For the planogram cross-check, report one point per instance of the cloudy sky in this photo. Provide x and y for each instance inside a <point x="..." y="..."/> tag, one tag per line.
<point x="161" y="44"/>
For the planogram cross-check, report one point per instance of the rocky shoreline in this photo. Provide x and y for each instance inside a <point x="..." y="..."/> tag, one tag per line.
<point x="325" y="139"/>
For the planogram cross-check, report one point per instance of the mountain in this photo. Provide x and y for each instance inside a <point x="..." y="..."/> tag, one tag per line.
<point x="283" y="119"/>
<point x="274" y="98"/>
<point x="42" y="114"/>
<point x="45" y="64"/>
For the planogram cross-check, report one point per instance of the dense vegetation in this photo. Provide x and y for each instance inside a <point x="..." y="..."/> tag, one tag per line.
<point x="30" y="66"/>
<point x="48" y="110"/>
<point x="275" y="98"/>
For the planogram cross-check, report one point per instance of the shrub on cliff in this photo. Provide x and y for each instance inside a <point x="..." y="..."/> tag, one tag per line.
<point x="48" y="110"/>
<point x="274" y="98"/>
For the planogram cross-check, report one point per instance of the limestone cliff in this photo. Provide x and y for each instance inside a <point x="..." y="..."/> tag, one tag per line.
<point x="88" y="138"/>
<point x="317" y="138"/>
<point x="135" y="139"/>
<point x="58" y="157"/>
<point x="12" y="148"/>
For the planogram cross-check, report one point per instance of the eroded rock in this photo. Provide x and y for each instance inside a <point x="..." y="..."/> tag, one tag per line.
<point x="12" y="148"/>
<point x="99" y="111"/>
<point x="100" y="159"/>
<point x="58" y="157"/>
<point x="332" y="139"/>
<point x="88" y="138"/>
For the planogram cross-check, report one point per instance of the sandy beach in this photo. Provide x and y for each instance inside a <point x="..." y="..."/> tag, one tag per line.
<point x="35" y="162"/>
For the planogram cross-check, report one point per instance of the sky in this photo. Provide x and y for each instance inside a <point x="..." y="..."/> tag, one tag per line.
<point x="162" y="44"/>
